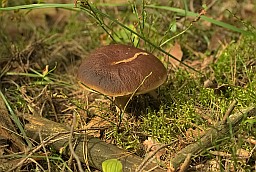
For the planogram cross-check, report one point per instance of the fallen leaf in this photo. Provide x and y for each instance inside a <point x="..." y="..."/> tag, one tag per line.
<point x="242" y="153"/>
<point x="210" y="83"/>
<point x="96" y="124"/>
<point x="195" y="63"/>
<point x="152" y="145"/>
<point x="206" y="62"/>
<point x="177" y="53"/>
<point x="251" y="140"/>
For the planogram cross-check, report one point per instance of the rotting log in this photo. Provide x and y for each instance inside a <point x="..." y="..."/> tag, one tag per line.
<point x="97" y="150"/>
<point x="211" y="137"/>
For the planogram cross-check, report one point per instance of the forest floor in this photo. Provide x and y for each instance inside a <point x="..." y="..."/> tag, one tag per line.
<point x="41" y="50"/>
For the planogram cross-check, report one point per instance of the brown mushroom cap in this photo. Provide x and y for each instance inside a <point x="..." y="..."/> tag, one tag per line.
<point x="119" y="70"/>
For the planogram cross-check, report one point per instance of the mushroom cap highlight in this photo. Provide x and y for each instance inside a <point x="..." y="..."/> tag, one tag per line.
<point x="120" y="70"/>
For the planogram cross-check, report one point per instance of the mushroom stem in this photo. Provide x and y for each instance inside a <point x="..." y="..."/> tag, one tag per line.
<point x="153" y="94"/>
<point x="121" y="101"/>
<point x="155" y="98"/>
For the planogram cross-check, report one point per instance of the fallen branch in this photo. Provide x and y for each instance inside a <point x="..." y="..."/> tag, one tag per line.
<point x="97" y="150"/>
<point x="211" y="137"/>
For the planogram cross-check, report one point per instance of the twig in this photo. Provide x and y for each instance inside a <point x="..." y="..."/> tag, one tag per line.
<point x="251" y="154"/>
<point x="135" y="91"/>
<point x="186" y="163"/>
<point x="147" y="158"/>
<point x="46" y="154"/>
<point x="37" y="164"/>
<point x="85" y="151"/>
<point x="72" y="151"/>
<point x="229" y="111"/>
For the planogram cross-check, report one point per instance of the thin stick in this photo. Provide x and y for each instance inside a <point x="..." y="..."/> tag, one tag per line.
<point x="37" y="164"/>
<point x="46" y="154"/>
<point x="135" y="91"/>
<point x="147" y="158"/>
<point x="72" y="151"/>
<point x="186" y="163"/>
<point x="85" y="152"/>
<point x="130" y="98"/>
<point x="229" y="111"/>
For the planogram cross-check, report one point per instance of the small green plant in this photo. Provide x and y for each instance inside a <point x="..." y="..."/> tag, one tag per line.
<point x="112" y="165"/>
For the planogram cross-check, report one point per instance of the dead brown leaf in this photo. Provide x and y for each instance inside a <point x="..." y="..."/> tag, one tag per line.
<point x="151" y="145"/>
<point x="96" y="124"/>
<point x="242" y="153"/>
<point x="251" y="140"/>
<point x="206" y="62"/>
<point x="210" y="83"/>
<point x="177" y="53"/>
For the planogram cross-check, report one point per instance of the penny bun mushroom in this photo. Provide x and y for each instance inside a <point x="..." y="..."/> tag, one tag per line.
<point x="120" y="70"/>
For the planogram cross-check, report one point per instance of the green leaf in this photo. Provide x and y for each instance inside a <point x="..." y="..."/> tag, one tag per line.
<point x="112" y="165"/>
<point x="173" y="26"/>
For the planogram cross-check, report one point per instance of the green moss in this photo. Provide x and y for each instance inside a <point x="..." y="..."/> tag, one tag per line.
<point x="187" y="102"/>
<point x="233" y="66"/>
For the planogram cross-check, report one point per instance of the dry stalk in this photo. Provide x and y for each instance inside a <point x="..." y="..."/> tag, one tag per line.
<point x="72" y="151"/>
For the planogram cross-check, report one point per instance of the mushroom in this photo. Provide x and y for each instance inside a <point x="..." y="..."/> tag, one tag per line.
<point x="121" y="71"/>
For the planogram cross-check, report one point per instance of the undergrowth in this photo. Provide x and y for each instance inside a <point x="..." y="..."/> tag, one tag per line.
<point x="38" y="77"/>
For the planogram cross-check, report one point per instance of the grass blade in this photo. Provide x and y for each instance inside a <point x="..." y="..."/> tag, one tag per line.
<point x="15" y="119"/>
<point x="37" y="6"/>
<point x="192" y="14"/>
